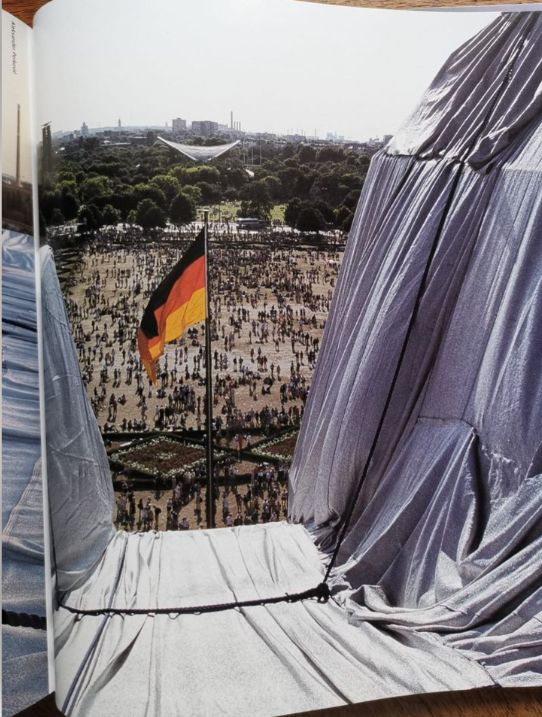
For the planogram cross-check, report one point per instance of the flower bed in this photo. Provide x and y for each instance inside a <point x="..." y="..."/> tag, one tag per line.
<point x="161" y="457"/>
<point x="281" y="448"/>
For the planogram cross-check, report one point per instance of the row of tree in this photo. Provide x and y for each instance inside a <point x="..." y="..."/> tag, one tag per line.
<point x="97" y="185"/>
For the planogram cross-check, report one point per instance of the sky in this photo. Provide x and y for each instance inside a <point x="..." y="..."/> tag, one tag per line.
<point x="280" y="65"/>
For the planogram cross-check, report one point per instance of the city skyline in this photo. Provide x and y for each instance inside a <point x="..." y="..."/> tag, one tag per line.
<point x="168" y="126"/>
<point x="280" y="67"/>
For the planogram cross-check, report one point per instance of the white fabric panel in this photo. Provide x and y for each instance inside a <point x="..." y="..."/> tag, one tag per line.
<point x="200" y="153"/>
<point x="266" y="660"/>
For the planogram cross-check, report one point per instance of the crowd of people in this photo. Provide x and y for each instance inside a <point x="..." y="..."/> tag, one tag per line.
<point x="183" y="506"/>
<point x="269" y="304"/>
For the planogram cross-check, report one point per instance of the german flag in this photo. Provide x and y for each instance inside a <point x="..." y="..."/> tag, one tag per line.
<point x="177" y="303"/>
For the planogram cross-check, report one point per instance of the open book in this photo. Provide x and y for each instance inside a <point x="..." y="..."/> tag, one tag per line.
<point x="272" y="425"/>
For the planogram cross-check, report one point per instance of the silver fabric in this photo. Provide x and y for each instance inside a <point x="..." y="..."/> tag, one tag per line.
<point x="81" y="496"/>
<point x="24" y="650"/>
<point x="446" y="534"/>
<point x="267" y="660"/>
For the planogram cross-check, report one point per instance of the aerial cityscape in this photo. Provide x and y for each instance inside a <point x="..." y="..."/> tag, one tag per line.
<point x="119" y="208"/>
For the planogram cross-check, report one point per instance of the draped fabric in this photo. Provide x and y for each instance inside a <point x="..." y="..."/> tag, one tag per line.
<point x="24" y="650"/>
<point x="446" y="531"/>
<point x="81" y="496"/>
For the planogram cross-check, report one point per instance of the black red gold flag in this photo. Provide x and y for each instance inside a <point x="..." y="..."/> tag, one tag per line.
<point x="177" y="303"/>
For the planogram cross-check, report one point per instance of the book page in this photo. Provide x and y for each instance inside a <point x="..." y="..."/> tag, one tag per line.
<point x="24" y="585"/>
<point x="286" y="252"/>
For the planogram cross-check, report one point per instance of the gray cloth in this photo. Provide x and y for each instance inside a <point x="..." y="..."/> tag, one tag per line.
<point x="81" y="496"/>
<point x="24" y="650"/>
<point x="446" y="533"/>
<point x="265" y="660"/>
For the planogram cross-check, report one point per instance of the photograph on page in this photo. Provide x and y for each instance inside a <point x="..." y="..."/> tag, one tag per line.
<point x="291" y="291"/>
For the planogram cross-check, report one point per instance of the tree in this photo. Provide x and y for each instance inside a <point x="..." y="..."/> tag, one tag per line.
<point x="195" y="175"/>
<point x="291" y="212"/>
<point x="57" y="217"/>
<point x="274" y="187"/>
<point x="92" y="187"/>
<point x="351" y="198"/>
<point x="234" y="177"/>
<point x="193" y="192"/>
<point x="326" y="211"/>
<point x="347" y="222"/>
<point x="182" y="209"/>
<point x="306" y="153"/>
<point x="149" y="215"/>
<point x="210" y="193"/>
<point x="167" y="184"/>
<point x="48" y="203"/>
<point x="90" y="217"/>
<point x="344" y="217"/>
<point x="288" y="178"/>
<point x="330" y="154"/>
<point x="149" y="191"/>
<point x="310" y="219"/>
<point x="69" y="205"/>
<point x="231" y="195"/>
<point x="110" y="215"/>
<point x="257" y="201"/>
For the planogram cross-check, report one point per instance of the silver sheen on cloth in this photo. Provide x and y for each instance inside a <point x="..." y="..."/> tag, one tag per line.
<point x="447" y="525"/>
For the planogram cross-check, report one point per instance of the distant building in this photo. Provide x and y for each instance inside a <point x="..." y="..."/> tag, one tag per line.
<point x="84" y="130"/>
<point x="204" y="128"/>
<point x="178" y="125"/>
<point x="295" y="138"/>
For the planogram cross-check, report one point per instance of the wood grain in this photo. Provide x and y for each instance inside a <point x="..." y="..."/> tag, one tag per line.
<point x="25" y="9"/>
<point x="412" y="4"/>
<point x="486" y="702"/>
<point x="493" y="702"/>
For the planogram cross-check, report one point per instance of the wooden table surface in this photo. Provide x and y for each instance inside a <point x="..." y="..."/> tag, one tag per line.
<point x="25" y="9"/>
<point x="492" y="702"/>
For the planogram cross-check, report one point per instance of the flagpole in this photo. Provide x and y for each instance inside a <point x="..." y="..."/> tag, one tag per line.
<point x="209" y="380"/>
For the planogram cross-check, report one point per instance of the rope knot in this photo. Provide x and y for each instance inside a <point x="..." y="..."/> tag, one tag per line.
<point x="322" y="592"/>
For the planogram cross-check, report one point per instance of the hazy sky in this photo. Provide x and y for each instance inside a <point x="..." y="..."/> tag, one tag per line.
<point x="278" y="64"/>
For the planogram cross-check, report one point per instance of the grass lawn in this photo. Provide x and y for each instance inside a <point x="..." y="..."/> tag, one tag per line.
<point x="230" y="210"/>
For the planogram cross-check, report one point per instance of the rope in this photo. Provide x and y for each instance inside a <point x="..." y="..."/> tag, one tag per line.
<point x="320" y="592"/>
<point x="23" y="619"/>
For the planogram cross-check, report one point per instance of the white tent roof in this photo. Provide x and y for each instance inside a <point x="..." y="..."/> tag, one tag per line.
<point x="200" y="153"/>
